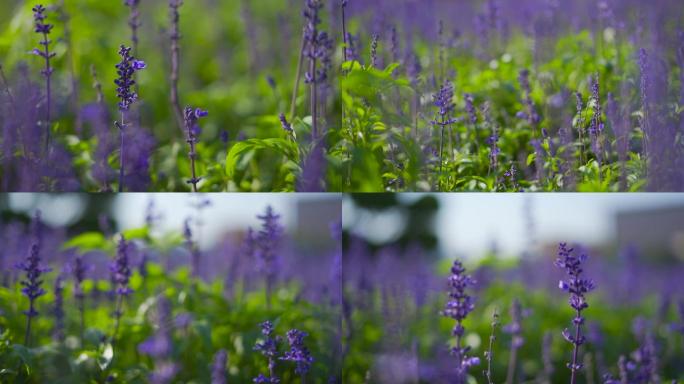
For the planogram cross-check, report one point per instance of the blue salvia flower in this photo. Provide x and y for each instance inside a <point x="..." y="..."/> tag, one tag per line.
<point x="34" y="271"/>
<point x="470" y="108"/>
<point x="298" y="352"/>
<point x="287" y="127"/>
<point x="79" y="271"/>
<point x="444" y="101"/>
<point x="459" y="305"/>
<point x="121" y="269"/>
<point x="125" y="70"/>
<point x="269" y="348"/>
<point x="530" y="113"/>
<point x="312" y="38"/>
<point x="578" y="287"/>
<point x="218" y="367"/>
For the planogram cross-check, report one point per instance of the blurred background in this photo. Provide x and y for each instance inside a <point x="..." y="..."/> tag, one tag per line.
<point x="398" y="249"/>
<point x="472" y="226"/>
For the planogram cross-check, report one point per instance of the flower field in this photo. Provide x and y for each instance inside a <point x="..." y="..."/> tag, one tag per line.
<point x="342" y="95"/>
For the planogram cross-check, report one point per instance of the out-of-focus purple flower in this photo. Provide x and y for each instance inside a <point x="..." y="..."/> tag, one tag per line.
<point x="218" y="367"/>
<point x="514" y="328"/>
<point x="58" y="309"/>
<point x="459" y="305"/>
<point x="596" y="125"/>
<point x="530" y="113"/>
<point x="269" y="348"/>
<point x="44" y="29"/>
<point x="160" y="345"/>
<point x="298" y="352"/>
<point x="183" y="320"/>
<point x="470" y="108"/>
<point x="268" y="240"/>
<point x="374" y="51"/>
<point x="192" y="132"/>
<point x="444" y="101"/>
<point x="121" y="269"/>
<point x="578" y="287"/>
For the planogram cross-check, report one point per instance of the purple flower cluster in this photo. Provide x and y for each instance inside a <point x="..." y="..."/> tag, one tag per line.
<point x="459" y="305"/>
<point x="269" y="348"/>
<point x="444" y="101"/>
<point x="125" y="70"/>
<point x="578" y="287"/>
<point x="268" y="239"/>
<point x="218" y="367"/>
<point x="298" y="352"/>
<point x="120" y="268"/>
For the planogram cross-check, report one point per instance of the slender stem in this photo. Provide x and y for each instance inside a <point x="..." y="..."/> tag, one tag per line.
<point x="47" y="73"/>
<point x="193" y="156"/>
<point x="121" y="153"/>
<point x="298" y="77"/>
<point x="117" y="315"/>
<point x="81" y="310"/>
<point x="27" y="336"/>
<point x="344" y="34"/>
<point x="512" y="362"/>
<point x="175" y="64"/>
<point x="575" y="351"/>
<point x="5" y="85"/>
<point x="314" y="100"/>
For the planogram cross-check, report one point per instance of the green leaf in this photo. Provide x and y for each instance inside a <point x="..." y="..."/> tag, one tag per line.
<point x="136" y="233"/>
<point x="87" y="241"/>
<point x="285" y="147"/>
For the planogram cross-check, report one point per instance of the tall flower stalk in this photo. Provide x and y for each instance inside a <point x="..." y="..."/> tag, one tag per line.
<point x="175" y="37"/>
<point x="578" y="287"/>
<point x="58" y="309"/>
<point x="312" y="50"/>
<point x="269" y="348"/>
<point x="192" y="131"/>
<point x="121" y="274"/>
<point x="32" y="285"/>
<point x="596" y="125"/>
<point x="44" y="29"/>
<point x="268" y="240"/>
<point x="514" y="328"/>
<point x="126" y="68"/>
<point x="34" y="270"/>
<point x="298" y="353"/>
<point x="445" y="104"/>
<point x="489" y="354"/>
<point x="459" y="305"/>
<point x="79" y="271"/>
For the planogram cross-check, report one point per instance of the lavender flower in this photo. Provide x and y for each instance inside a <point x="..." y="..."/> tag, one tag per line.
<point x="269" y="348"/>
<point x="374" y="51"/>
<point x="530" y="113"/>
<point x="268" y="240"/>
<point x="58" y="309"/>
<point x="458" y="307"/>
<point x="596" y="125"/>
<point x="312" y="50"/>
<point x="33" y="282"/>
<point x="44" y="29"/>
<point x="192" y="247"/>
<point x="218" y="367"/>
<point x="514" y="328"/>
<point x="298" y="352"/>
<point x="121" y="274"/>
<point x="79" y="271"/>
<point x="192" y="130"/>
<point x="577" y="287"/>
<point x="287" y="126"/>
<point x="125" y="71"/>
<point x="443" y="100"/>
<point x="160" y="345"/>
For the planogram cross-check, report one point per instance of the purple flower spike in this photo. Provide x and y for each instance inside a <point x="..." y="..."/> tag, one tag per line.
<point x="298" y="352"/>
<point x="218" y="367"/>
<point x="459" y="305"/>
<point x="577" y="287"/>
<point x="269" y="348"/>
<point x="192" y="131"/>
<point x="125" y="71"/>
